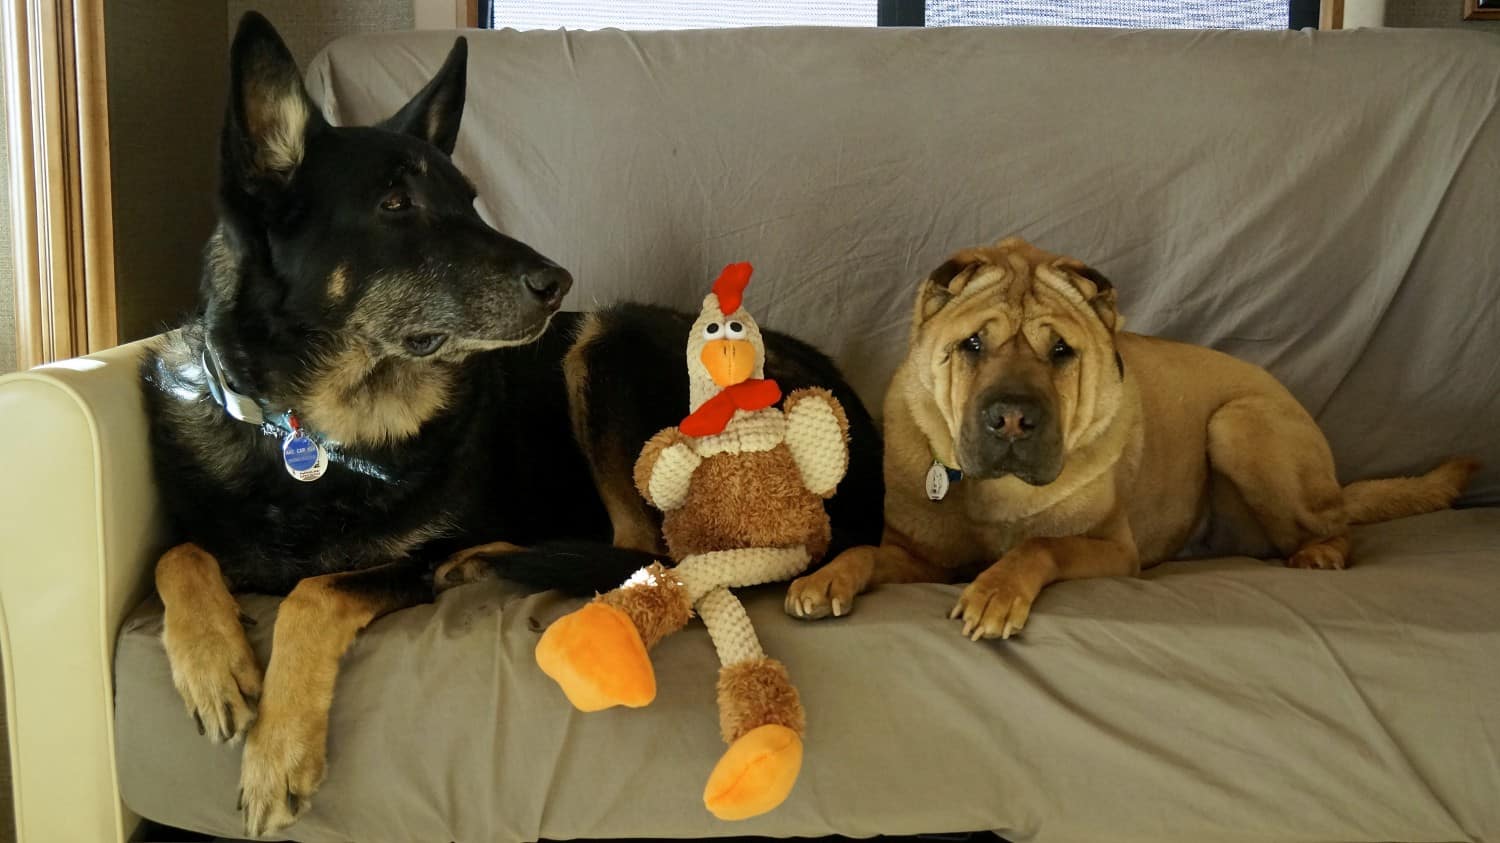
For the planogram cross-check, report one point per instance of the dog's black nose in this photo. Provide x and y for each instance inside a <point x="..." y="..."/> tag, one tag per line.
<point x="548" y="283"/>
<point x="1013" y="416"/>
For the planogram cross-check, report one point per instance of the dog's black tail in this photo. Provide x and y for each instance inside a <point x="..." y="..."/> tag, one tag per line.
<point x="581" y="568"/>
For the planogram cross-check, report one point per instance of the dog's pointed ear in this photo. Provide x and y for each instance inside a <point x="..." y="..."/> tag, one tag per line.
<point x="270" y="114"/>
<point x="1098" y="291"/>
<point x="434" y="113"/>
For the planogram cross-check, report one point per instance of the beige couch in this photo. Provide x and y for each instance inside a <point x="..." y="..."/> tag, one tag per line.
<point x="1323" y="204"/>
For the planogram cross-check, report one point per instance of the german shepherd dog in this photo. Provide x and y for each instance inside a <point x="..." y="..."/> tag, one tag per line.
<point x="356" y="311"/>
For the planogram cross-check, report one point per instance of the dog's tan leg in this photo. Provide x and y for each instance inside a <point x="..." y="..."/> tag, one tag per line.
<point x="611" y="466"/>
<point x="999" y="600"/>
<point x="285" y="753"/>
<point x="632" y="524"/>
<point x="1273" y="453"/>
<point x="831" y="590"/>
<point x="213" y="666"/>
<point x="469" y="565"/>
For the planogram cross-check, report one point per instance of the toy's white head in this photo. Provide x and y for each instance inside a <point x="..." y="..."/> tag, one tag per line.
<point x="725" y="347"/>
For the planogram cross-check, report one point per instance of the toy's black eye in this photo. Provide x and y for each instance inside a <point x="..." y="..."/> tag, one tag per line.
<point x="735" y="330"/>
<point x="975" y="343"/>
<point x="711" y="330"/>
<point x="1061" y="351"/>
<point x="398" y="200"/>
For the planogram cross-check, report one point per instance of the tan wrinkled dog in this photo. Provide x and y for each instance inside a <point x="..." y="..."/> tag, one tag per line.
<point x="1030" y="440"/>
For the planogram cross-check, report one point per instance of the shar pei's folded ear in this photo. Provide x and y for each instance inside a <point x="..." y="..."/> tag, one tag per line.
<point x="1096" y="290"/>
<point x="946" y="282"/>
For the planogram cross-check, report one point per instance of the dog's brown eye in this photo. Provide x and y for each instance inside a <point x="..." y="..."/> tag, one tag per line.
<point x="974" y="343"/>
<point x="421" y="345"/>
<point x="398" y="201"/>
<point x="1061" y="351"/>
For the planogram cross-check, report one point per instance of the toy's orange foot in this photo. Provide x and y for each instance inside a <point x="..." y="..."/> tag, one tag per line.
<point x="755" y="774"/>
<point x="597" y="656"/>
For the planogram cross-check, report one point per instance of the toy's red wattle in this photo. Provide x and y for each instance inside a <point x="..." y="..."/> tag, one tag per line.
<point x="714" y="415"/>
<point x="730" y="286"/>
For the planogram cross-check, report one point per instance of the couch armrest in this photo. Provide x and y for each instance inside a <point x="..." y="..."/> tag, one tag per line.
<point x="80" y="526"/>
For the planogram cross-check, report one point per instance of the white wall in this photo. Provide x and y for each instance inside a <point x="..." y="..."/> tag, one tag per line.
<point x="307" y="25"/>
<point x="7" y="263"/>
<point x="167" y="78"/>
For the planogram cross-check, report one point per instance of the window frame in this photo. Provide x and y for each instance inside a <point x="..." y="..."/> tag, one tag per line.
<point x="1301" y="14"/>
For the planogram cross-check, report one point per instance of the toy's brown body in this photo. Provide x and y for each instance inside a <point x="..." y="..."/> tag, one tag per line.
<point x="742" y="498"/>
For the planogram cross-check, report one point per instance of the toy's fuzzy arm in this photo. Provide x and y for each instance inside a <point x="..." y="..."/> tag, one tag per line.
<point x="817" y="432"/>
<point x="665" y="469"/>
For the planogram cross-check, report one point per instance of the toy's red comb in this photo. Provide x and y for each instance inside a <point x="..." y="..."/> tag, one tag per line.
<point x="730" y="287"/>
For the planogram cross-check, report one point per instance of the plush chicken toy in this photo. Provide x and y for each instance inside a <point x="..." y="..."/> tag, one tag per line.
<point x="741" y="485"/>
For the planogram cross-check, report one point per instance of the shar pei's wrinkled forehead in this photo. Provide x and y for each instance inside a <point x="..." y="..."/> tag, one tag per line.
<point x="1008" y="326"/>
<point x="1016" y="281"/>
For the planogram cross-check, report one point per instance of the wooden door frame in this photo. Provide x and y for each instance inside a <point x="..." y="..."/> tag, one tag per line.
<point x="1331" y="14"/>
<point x="57" y="110"/>
<point x="445" y="14"/>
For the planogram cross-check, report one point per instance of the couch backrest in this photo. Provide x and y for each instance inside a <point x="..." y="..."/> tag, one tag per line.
<point x="1324" y="204"/>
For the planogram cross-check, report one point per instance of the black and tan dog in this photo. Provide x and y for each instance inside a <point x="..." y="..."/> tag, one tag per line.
<point x="353" y="298"/>
<point x="1030" y="440"/>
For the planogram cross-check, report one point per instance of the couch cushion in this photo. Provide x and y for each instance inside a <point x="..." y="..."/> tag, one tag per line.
<point x="1323" y="204"/>
<point x="1225" y="700"/>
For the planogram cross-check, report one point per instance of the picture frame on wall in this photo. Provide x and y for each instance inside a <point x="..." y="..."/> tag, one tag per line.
<point x="1481" y="9"/>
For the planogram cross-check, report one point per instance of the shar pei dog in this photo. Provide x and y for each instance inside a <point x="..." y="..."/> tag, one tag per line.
<point x="1030" y="440"/>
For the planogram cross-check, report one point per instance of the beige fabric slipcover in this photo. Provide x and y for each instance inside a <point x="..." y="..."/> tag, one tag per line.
<point x="1212" y="701"/>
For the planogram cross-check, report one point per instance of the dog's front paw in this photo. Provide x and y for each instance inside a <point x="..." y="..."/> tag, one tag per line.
<point x="283" y="766"/>
<point x="1330" y="554"/>
<point x="818" y="595"/>
<point x="831" y="590"/>
<point x="996" y="604"/>
<point x="214" y="670"/>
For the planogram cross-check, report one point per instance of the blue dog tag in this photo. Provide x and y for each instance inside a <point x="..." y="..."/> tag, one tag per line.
<point x="304" y="459"/>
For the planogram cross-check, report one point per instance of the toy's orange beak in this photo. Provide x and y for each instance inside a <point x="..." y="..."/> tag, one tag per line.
<point x="729" y="361"/>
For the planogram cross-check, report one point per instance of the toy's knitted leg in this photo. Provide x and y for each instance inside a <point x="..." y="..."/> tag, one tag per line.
<point x="754" y="690"/>
<point x="729" y="627"/>
<point x="597" y="655"/>
<point x="704" y="572"/>
<point x="760" y="716"/>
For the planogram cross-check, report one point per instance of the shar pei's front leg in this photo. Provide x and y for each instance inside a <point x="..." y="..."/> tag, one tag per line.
<point x="286" y="751"/>
<point x="998" y="602"/>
